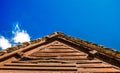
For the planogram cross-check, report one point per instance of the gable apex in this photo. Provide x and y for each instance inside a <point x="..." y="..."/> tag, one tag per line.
<point x="59" y="53"/>
<point x="89" y="47"/>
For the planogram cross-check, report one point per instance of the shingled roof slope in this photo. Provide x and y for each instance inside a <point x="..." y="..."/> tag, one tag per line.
<point x="88" y="45"/>
<point x="59" y="51"/>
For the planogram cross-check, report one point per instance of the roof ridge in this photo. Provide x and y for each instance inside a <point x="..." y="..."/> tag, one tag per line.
<point x="25" y="44"/>
<point x="94" y="46"/>
<point x="97" y="47"/>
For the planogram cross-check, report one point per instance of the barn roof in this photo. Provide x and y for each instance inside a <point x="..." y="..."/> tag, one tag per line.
<point x="89" y="45"/>
<point x="92" y="50"/>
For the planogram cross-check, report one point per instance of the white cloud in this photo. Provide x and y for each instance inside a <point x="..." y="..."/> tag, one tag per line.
<point x="4" y="43"/>
<point x="20" y="36"/>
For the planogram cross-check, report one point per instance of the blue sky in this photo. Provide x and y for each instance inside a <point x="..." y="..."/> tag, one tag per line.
<point x="92" y="20"/>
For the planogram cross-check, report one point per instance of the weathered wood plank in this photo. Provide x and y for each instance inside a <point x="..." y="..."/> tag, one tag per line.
<point x="41" y="68"/>
<point x="34" y="71"/>
<point x="59" y="61"/>
<point x="67" y="53"/>
<point x="52" y="51"/>
<point x="93" y="65"/>
<point x="41" y="65"/>
<point x="57" y="54"/>
<point x="98" y="70"/>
